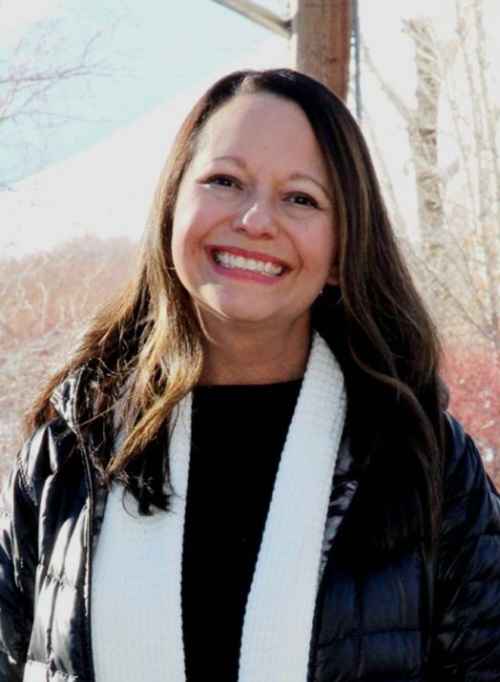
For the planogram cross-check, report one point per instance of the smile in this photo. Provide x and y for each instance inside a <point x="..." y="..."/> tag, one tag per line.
<point x="232" y="261"/>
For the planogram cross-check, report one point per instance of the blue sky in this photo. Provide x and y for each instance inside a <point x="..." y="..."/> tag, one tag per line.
<point x="147" y="52"/>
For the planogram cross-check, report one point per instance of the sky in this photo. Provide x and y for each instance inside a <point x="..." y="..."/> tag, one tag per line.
<point x="88" y="161"/>
<point x="144" y="53"/>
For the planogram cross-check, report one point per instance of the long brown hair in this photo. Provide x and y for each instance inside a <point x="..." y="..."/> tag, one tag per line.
<point x="147" y="345"/>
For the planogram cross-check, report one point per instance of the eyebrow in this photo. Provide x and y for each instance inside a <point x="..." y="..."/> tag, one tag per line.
<point x="304" y="176"/>
<point x="294" y="176"/>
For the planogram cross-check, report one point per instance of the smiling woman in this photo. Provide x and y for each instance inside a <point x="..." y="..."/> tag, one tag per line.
<point x="253" y="237"/>
<point x="254" y="431"/>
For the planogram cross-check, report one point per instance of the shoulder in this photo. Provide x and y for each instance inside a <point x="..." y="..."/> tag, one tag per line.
<point x="46" y="451"/>
<point x="469" y="496"/>
<point x="54" y="446"/>
<point x="463" y="462"/>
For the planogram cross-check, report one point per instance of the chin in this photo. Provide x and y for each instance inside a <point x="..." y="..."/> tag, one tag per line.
<point x="237" y="314"/>
<point x="244" y="317"/>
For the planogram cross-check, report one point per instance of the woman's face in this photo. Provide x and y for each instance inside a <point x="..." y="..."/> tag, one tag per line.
<point x="253" y="235"/>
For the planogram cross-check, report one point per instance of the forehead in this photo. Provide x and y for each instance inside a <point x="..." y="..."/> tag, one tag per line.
<point x="262" y="123"/>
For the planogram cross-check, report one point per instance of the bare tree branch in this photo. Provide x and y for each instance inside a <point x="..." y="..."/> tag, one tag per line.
<point x="399" y="104"/>
<point x="459" y="258"/>
<point x="39" y="64"/>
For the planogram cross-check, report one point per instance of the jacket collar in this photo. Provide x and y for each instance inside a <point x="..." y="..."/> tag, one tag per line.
<point x="64" y="399"/>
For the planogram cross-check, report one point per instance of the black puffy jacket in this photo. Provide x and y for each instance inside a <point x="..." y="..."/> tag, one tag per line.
<point x="413" y="617"/>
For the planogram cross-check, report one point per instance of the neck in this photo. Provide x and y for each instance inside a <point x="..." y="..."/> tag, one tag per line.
<point x="237" y="357"/>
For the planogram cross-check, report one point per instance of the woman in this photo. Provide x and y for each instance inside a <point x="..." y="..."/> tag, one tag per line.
<point x="246" y="472"/>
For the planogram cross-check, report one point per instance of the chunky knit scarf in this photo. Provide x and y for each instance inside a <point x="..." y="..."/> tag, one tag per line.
<point x="136" y="593"/>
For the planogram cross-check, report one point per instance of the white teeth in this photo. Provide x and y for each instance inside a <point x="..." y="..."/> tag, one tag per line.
<point x="229" y="260"/>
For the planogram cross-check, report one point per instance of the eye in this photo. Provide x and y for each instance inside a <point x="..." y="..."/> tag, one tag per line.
<point x="223" y="181"/>
<point x="302" y="199"/>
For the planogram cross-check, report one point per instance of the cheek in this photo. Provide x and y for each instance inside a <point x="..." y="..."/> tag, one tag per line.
<point x="191" y="227"/>
<point x="187" y="227"/>
<point x="180" y="243"/>
<point x="329" y="245"/>
<point x="318" y="249"/>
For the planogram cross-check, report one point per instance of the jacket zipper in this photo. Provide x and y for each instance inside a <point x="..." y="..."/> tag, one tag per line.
<point x="90" y="523"/>
<point x="88" y="559"/>
<point x="90" y="542"/>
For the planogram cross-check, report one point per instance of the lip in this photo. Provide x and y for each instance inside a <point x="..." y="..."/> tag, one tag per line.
<point x="255" y="255"/>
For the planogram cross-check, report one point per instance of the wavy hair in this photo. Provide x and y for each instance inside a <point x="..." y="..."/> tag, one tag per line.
<point x="146" y="347"/>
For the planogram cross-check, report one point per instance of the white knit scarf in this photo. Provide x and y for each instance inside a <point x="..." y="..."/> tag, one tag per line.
<point x="137" y="571"/>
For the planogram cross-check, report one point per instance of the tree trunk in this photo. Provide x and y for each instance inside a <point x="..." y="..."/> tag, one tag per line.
<point x="321" y="40"/>
<point x="423" y="138"/>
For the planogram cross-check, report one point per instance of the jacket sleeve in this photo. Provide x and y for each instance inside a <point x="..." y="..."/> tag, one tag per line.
<point x="466" y="642"/>
<point x="18" y="559"/>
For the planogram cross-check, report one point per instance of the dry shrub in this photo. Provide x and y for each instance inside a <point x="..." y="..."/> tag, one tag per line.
<point x="46" y="300"/>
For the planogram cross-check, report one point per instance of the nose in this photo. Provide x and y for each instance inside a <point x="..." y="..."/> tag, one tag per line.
<point x="257" y="218"/>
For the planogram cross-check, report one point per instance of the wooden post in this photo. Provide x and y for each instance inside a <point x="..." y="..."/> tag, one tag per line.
<point x="319" y="32"/>
<point x="321" y="40"/>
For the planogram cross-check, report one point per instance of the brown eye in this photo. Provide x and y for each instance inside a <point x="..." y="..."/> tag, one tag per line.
<point x="301" y="199"/>
<point x="223" y="181"/>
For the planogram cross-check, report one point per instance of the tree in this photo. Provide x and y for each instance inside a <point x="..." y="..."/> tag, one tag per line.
<point x="455" y="250"/>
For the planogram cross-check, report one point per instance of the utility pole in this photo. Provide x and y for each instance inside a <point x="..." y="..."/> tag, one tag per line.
<point x="320" y="41"/>
<point x="319" y="35"/>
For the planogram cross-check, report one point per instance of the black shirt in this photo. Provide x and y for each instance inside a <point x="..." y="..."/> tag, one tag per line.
<point x="238" y="433"/>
